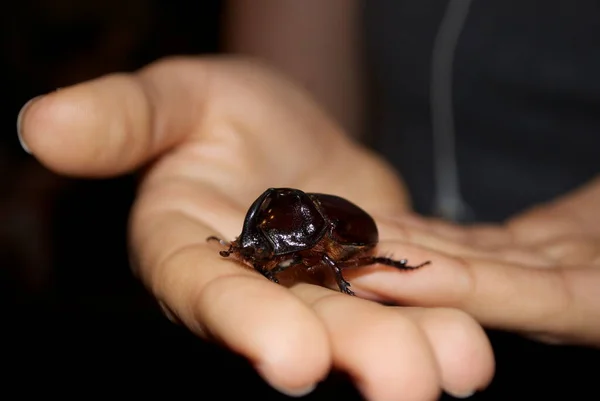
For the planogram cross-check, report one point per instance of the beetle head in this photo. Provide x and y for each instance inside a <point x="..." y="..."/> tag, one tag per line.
<point x="253" y="248"/>
<point x="252" y="244"/>
<point x="280" y="221"/>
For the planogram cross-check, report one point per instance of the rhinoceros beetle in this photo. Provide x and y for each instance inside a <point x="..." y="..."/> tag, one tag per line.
<point x="285" y="227"/>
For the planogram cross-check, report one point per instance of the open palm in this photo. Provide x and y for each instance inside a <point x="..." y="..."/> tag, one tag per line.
<point x="210" y="135"/>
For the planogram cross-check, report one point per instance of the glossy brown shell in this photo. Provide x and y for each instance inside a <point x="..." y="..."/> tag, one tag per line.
<point x="351" y="224"/>
<point x="286" y="220"/>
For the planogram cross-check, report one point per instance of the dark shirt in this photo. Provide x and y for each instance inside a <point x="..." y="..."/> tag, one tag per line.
<point x="525" y="98"/>
<point x="525" y="108"/>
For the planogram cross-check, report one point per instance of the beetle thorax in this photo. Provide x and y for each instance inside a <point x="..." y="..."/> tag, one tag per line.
<point x="253" y="247"/>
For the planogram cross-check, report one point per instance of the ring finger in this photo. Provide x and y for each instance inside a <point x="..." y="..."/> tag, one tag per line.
<point x="388" y="353"/>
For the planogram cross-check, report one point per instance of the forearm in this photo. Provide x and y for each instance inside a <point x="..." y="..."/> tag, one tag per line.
<point x="316" y="43"/>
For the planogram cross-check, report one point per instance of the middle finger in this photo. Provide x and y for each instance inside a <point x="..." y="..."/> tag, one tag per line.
<point x="386" y="353"/>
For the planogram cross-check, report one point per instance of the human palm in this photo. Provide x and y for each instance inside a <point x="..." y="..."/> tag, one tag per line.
<point x="210" y="135"/>
<point x="536" y="273"/>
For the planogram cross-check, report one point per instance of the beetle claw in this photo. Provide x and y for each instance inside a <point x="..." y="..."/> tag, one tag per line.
<point x="267" y="274"/>
<point x="271" y="277"/>
<point x="345" y="288"/>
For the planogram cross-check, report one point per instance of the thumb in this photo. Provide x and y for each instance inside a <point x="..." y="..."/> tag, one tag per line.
<point x="113" y="124"/>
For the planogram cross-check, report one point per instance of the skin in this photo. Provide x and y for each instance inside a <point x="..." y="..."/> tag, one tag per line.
<point x="554" y="245"/>
<point x="196" y="129"/>
<point x="538" y="273"/>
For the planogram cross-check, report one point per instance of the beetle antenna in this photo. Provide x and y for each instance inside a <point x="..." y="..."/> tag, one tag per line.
<point x="227" y="252"/>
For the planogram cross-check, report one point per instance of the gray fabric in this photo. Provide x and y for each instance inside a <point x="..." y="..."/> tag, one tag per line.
<point x="525" y="95"/>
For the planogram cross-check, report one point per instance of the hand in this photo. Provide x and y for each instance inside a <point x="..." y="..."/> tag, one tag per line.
<point x="212" y="135"/>
<point x="538" y="274"/>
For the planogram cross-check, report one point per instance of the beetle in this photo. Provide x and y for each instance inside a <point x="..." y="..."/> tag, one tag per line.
<point x="285" y="227"/>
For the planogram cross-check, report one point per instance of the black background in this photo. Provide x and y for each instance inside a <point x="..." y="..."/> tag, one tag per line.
<point x="74" y="319"/>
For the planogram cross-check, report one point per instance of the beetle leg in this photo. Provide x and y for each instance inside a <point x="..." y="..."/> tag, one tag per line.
<point x="339" y="278"/>
<point x="371" y="260"/>
<point x="286" y="264"/>
<point x="267" y="273"/>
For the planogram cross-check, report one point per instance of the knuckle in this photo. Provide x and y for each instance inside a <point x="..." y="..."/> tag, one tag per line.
<point x="457" y="327"/>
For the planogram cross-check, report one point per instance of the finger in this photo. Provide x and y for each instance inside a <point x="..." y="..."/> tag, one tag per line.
<point x="99" y="128"/>
<point x="118" y="122"/>
<point x="423" y="235"/>
<point x="489" y="236"/>
<point x="572" y="250"/>
<point x="542" y="225"/>
<point x="386" y="354"/>
<point x="219" y="299"/>
<point x="427" y="237"/>
<point x="560" y="302"/>
<point x="475" y="241"/>
<point x="461" y="348"/>
<point x="486" y="236"/>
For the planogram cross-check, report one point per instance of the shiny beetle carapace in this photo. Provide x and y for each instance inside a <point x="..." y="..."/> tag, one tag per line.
<point x="285" y="227"/>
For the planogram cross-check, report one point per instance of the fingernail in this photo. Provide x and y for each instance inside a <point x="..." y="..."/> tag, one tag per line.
<point x="169" y="314"/>
<point x="290" y="392"/>
<point x="20" y="121"/>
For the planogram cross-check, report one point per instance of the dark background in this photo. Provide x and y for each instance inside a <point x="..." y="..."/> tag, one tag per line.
<point x="75" y="320"/>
